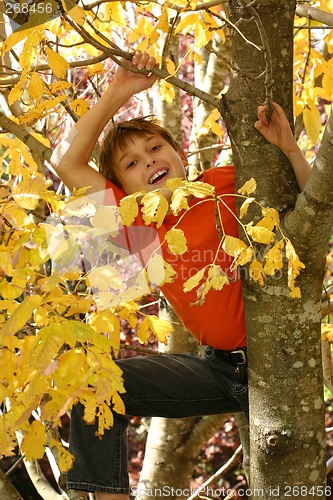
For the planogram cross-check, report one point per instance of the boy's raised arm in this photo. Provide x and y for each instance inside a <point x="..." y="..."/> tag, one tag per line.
<point x="277" y="131"/>
<point x="73" y="166"/>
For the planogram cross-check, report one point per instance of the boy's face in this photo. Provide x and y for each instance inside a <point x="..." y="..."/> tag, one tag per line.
<point x="147" y="163"/>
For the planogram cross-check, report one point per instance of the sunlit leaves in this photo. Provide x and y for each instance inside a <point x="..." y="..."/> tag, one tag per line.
<point x="176" y="241"/>
<point x="57" y="63"/>
<point x="156" y="326"/>
<point x="34" y="441"/>
<point x="211" y="123"/>
<point x="294" y="268"/>
<point x="154" y="208"/>
<point x="194" y="280"/>
<point x="129" y="209"/>
<point x="248" y="188"/>
<point x="21" y="315"/>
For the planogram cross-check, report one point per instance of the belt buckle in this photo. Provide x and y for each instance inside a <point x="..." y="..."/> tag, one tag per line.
<point x="243" y="355"/>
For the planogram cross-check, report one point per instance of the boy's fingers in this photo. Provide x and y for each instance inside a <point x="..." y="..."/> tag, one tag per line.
<point x="151" y="63"/>
<point x="262" y="114"/>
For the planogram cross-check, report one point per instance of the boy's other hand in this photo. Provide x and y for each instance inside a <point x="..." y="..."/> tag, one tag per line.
<point x="131" y="82"/>
<point x="277" y="130"/>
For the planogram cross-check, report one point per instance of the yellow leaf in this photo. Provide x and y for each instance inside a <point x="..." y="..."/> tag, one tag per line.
<point x="154" y="208"/>
<point x="178" y="201"/>
<point x="257" y="272"/>
<point x="57" y="86"/>
<point x="201" y="293"/>
<point x="106" y="322"/>
<point x="17" y="217"/>
<point x="143" y="331"/>
<point x="312" y="121"/>
<point x="108" y="218"/>
<point x="194" y="280"/>
<point x="167" y="91"/>
<point x="104" y="278"/>
<point x="27" y="193"/>
<point x="242" y="258"/>
<point x="143" y="45"/>
<point x="17" y="91"/>
<point x="270" y="213"/>
<point x="217" y="277"/>
<point x="34" y="441"/>
<point x="77" y="14"/>
<point x="128" y="209"/>
<point x="174" y="183"/>
<point x="6" y="261"/>
<point x="36" y="87"/>
<point x="160" y="328"/>
<point x="47" y="344"/>
<point x="41" y="139"/>
<point x="248" y="188"/>
<point x="7" y="437"/>
<point x="94" y="69"/>
<point x="21" y="315"/>
<point x="15" y="288"/>
<point x="274" y="259"/>
<point x="14" y="38"/>
<point x="170" y="66"/>
<point x="79" y="106"/>
<point x="118" y="404"/>
<point x="294" y="268"/>
<point x="105" y="419"/>
<point x="177" y="242"/>
<point x="260" y="234"/>
<point x="211" y="124"/>
<point x="57" y="63"/>
<point x="152" y="324"/>
<point x="65" y="459"/>
<point x="127" y="311"/>
<point x="233" y="246"/>
<point x="188" y="23"/>
<point x="327" y="331"/>
<point x="155" y="269"/>
<point x="199" y="189"/>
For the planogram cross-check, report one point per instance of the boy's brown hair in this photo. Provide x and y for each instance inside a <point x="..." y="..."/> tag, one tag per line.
<point x="119" y="136"/>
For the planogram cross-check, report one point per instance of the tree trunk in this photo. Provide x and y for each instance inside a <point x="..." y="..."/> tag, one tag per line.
<point x="7" y="490"/>
<point x="285" y="377"/>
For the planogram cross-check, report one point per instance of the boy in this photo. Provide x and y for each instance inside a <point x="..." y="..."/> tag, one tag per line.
<point x="138" y="155"/>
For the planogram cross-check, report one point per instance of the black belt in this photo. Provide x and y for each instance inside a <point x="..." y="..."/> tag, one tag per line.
<point x="235" y="357"/>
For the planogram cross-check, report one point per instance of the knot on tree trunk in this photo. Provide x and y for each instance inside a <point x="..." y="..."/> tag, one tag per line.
<point x="275" y="441"/>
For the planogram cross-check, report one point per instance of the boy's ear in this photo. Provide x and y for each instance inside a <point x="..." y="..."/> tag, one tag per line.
<point x="183" y="157"/>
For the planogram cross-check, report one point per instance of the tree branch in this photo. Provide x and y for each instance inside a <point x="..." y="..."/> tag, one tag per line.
<point x="314" y="14"/>
<point x="116" y="53"/>
<point x="317" y="197"/>
<point x="37" y="149"/>
<point x="233" y="460"/>
<point x="8" y="82"/>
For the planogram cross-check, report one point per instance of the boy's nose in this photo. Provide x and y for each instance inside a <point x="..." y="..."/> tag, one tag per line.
<point x="150" y="162"/>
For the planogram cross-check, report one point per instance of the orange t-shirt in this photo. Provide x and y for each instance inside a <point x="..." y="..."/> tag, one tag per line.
<point x="219" y="321"/>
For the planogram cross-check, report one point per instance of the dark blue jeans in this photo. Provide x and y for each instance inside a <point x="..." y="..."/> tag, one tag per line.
<point x="171" y="385"/>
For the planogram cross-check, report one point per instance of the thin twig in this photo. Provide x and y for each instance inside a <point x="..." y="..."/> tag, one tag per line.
<point x="233" y="460"/>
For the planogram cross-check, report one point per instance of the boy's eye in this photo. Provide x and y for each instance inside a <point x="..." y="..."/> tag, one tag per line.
<point x="132" y="164"/>
<point x="155" y="148"/>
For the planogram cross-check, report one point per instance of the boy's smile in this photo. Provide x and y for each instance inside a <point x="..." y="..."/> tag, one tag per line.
<point x="147" y="162"/>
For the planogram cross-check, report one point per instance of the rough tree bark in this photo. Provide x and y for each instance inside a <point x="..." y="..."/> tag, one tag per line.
<point x="285" y="375"/>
